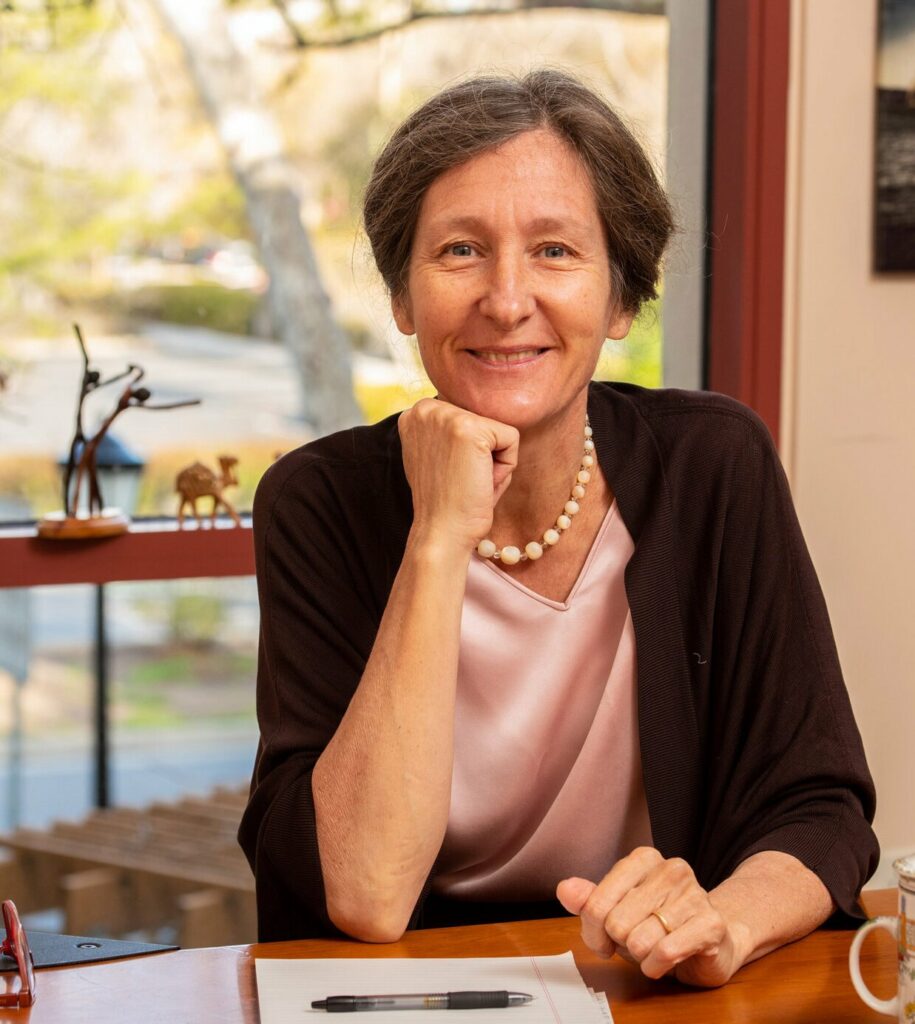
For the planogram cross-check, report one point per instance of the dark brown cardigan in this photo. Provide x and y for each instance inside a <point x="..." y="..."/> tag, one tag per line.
<point x="747" y="736"/>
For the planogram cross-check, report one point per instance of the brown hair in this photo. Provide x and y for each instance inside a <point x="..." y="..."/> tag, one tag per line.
<point x="483" y="113"/>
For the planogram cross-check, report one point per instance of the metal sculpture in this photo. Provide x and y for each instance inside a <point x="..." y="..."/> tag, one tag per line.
<point x="81" y="468"/>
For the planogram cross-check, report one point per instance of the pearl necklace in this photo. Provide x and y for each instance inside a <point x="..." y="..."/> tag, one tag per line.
<point x="510" y="555"/>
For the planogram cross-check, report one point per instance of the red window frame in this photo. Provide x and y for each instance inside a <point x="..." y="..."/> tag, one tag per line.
<point x="749" y="159"/>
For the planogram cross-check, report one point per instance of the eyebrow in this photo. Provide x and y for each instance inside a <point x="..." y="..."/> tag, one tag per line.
<point x="538" y="224"/>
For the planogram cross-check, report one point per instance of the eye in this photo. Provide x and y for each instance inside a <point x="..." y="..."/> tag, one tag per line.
<point x="460" y="249"/>
<point x="554" y="252"/>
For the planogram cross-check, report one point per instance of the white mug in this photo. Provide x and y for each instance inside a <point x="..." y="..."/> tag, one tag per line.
<point x="902" y="928"/>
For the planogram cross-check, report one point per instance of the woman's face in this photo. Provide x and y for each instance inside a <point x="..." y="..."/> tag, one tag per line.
<point x="508" y="288"/>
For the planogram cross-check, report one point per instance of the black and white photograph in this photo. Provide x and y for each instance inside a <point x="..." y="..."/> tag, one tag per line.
<point x="894" y="168"/>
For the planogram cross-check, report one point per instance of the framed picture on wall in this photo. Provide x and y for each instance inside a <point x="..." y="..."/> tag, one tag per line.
<point x="894" y="164"/>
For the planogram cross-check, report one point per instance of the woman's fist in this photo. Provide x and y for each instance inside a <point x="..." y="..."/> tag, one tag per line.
<point x="458" y="465"/>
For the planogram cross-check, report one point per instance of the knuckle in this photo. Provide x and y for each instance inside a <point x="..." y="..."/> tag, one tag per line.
<point x="424" y="410"/>
<point x="595" y="912"/>
<point x="716" y="927"/>
<point x="668" y="954"/>
<point x="617" y="927"/>
<point x="678" y="869"/>
<point x="639" y="946"/>
<point x="654" y="968"/>
<point x="465" y="426"/>
<point x="673" y="948"/>
<point x="699" y="905"/>
<point x="645" y="853"/>
<point x="602" y="949"/>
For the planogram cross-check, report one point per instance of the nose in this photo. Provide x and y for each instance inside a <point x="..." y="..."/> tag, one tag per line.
<point x="508" y="298"/>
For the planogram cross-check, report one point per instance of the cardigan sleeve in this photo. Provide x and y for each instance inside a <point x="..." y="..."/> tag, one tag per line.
<point x="321" y="588"/>
<point x="786" y="768"/>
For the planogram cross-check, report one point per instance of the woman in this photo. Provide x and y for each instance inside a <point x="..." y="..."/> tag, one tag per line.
<point x="541" y="639"/>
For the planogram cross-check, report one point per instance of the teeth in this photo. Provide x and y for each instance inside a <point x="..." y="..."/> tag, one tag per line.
<point x="507" y="357"/>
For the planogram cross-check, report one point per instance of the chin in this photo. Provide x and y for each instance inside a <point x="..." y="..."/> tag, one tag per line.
<point x="514" y="412"/>
<point x="518" y="410"/>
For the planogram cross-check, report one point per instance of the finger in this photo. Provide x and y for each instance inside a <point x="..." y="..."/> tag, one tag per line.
<point x="501" y="479"/>
<point x="645" y="936"/>
<point x="630" y="871"/>
<point x="573" y="893"/>
<point x="622" y="878"/>
<point x="605" y="896"/>
<point x="700" y="935"/>
<point x="665" y="883"/>
<point x="505" y="443"/>
<point x="507" y="435"/>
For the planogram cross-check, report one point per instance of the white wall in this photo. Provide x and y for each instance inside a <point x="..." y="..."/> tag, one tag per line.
<point x="849" y="395"/>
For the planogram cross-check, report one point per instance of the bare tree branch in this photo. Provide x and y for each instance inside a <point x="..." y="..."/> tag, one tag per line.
<point x="415" y="15"/>
<point x="297" y="36"/>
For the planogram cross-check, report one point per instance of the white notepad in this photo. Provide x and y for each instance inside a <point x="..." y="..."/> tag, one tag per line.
<point x="286" y="989"/>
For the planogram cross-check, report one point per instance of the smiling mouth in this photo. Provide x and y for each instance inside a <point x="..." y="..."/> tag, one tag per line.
<point x="507" y="358"/>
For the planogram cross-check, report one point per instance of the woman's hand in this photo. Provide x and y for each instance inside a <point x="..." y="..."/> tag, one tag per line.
<point x="617" y="916"/>
<point x="458" y="465"/>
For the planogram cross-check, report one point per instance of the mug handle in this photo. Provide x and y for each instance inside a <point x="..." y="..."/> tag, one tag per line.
<point x="888" y="1006"/>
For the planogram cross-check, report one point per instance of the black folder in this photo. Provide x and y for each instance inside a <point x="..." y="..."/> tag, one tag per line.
<point x="52" y="950"/>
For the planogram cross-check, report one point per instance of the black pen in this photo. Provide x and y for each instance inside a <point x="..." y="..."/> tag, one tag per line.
<point x="428" y="1001"/>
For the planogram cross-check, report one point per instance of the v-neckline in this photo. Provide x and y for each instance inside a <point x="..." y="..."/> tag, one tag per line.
<point x="559" y="606"/>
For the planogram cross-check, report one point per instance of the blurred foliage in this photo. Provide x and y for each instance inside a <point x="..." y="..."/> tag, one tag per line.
<point x="204" y="304"/>
<point x="380" y="400"/>
<point x="64" y="208"/>
<point x="57" y="210"/>
<point x="215" y="205"/>
<point x="33" y="37"/>
<point x="195" y="619"/>
<point x="348" y="156"/>
<point x="185" y="681"/>
<point x="33" y="480"/>
<point x="155" y="671"/>
<point x="61" y="221"/>
<point x="638" y="357"/>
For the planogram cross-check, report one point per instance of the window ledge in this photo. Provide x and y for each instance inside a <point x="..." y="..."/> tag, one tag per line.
<point x="152" y="549"/>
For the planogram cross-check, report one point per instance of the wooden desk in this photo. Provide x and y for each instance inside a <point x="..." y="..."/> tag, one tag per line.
<point x="805" y="982"/>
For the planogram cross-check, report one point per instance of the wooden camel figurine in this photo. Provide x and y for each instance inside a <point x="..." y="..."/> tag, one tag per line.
<point x="199" y="481"/>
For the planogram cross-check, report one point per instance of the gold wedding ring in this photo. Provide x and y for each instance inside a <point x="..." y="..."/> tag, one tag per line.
<point x="664" y="922"/>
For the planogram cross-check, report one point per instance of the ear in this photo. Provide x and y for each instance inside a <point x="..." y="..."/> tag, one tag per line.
<point x="620" y="323"/>
<point x="402" y="309"/>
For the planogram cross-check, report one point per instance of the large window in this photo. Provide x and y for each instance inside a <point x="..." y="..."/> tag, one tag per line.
<point x="128" y="207"/>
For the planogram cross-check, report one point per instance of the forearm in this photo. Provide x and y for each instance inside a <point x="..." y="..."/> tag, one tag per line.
<point x="382" y="787"/>
<point x="770" y="899"/>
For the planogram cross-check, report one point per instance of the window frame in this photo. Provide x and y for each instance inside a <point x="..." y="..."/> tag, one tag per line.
<point x="748" y="203"/>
